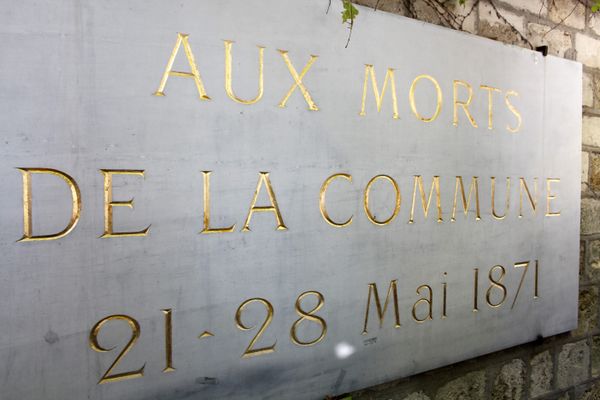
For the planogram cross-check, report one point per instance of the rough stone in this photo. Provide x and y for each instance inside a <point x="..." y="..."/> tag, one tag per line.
<point x="592" y="393"/>
<point x="590" y="216"/>
<point x="393" y="6"/>
<point x="468" y="387"/>
<point x="587" y="50"/>
<point x="588" y="311"/>
<point x="591" y="130"/>
<point x="594" y="171"/>
<point x="596" y="356"/>
<point x="417" y="396"/>
<point x="509" y="382"/>
<point x="568" y="12"/>
<point x="494" y="27"/>
<point x="541" y="374"/>
<point x="591" y="269"/>
<point x="573" y="364"/>
<point x="588" y="89"/>
<point x="582" y="263"/>
<point x="536" y="7"/>
<point x="558" y="42"/>
<point x="594" y="23"/>
<point x="585" y="167"/>
<point x="596" y="90"/>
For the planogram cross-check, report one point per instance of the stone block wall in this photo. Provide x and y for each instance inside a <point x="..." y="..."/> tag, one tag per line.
<point x="566" y="366"/>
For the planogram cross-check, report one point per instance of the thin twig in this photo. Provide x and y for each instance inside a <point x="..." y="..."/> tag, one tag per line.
<point x="500" y="16"/>
<point x="561" y="21"/>
<point x="328" y="7"/>
<point x="349" y="33"/>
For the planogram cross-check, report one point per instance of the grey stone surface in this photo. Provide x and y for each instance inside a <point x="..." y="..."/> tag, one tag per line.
<point x="541" y="374"/>
<point x="417" y="396"/>
<point x="590" y="209"/>
<point x="592" y="393"/>
<point x="573" y="364"/>
<point x="78" y="98"/>
<point x="588" y="311"/>
<point x="509" y="384"/>
<point x="591" y="270"/>
<point x="596" y="356"/>
<point x="468" y="387"/>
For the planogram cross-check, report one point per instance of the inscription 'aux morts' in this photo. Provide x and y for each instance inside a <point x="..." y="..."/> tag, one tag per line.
<point x="462" y="91"/>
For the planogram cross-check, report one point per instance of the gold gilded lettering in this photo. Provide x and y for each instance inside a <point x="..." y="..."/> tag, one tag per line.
<point x="228" y="69"/>
<point x="411" y="97"/>
<point x="250" y="350"/>
<point x="525" y="265"/>
<point x="310" y="316"/>
<point x="366" y="200"/>
<point x="550" y="197"/>
<point x="27" y="204"/>
<point x="466" y="201"/>
<point x="389" y="75"/>
<point x="435" y="184"/>
<point x="274" y="208"/>
<point x="494" y="213"/>
<point x="207" y="228"/>
<point x="109" y="203"/>
<point x="491" y="91"/>
<point x="463" y="104"/>
<point x="496" y="284"/>
<point x="444" y="297"/>
<point x="322" y="207"/>
<point x="182" y="38"/>
<point x="475" y="289"/>
<point x="428" y="300"/>
<point x="393" y="290"/>
<point x="532" y="200"/>
<point x="513" y="110"/>
<point x="135" y="334"/>
<point x="298" y="81"/>
<point x="168" y="341"/>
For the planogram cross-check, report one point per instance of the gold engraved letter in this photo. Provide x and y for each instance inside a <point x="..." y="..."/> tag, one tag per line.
<point x="411" y="98"/>
<point x="466" y="201"/>
<point x="228" y="89"/>
<point x="369" y="70"/>
<point x="513" y="110"/>
<point x="207" y="228"/>
<point x="135" y="334"/>
<point x="366" y="200"/>
<point x="429" y="301"/>
<point x="324" y="212"/>
<point x="109" y="203"/>
<point x="435" y="184"/>
<point x="27" y="220"/>
<point x="182" y="38"/>
<point x="264" y="177"/>
<point x="494" y="214"/>
<point x="550" y="197"/>
<point x="298" y="80"/>
<point x="532" y="200"/>
<point x="463" y="104"/>
<point x="393" y="290"/>
<point x="491" y="91"/>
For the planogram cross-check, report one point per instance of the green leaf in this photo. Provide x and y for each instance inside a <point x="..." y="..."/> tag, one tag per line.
<point x="596" y="6"/>
<point x="350" y="12"/>
<point x="461" y="2"/>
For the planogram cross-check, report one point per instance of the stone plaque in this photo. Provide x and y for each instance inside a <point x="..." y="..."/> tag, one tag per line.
<point x="219" y="200"/>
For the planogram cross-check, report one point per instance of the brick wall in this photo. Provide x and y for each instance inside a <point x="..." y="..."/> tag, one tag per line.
<point x="567" y="366"/>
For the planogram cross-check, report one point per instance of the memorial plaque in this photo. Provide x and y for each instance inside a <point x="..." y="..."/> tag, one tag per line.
<point x="219" y="200"/>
